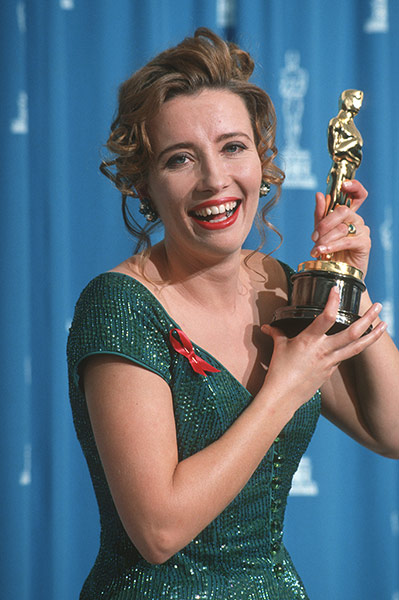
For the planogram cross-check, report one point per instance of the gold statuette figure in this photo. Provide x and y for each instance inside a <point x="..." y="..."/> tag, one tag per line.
<point x="345" y="147"/>
<point x="315" y="278"/>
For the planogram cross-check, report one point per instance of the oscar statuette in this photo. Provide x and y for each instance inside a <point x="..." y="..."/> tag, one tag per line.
<point x="315" y="278"/>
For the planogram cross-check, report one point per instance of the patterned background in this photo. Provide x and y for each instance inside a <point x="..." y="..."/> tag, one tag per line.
<point x="62" y="61"/>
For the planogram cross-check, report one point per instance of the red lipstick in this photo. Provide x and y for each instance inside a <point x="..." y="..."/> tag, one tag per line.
<point x="217" y="224"/>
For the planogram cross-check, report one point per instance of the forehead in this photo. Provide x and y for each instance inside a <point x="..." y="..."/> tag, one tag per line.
<point x="209" y="113"/>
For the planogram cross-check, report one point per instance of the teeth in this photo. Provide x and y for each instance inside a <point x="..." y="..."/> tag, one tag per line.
<point x="216" y="210"/>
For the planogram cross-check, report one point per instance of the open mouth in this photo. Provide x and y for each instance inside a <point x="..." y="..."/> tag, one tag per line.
<point x="214" y="214"/>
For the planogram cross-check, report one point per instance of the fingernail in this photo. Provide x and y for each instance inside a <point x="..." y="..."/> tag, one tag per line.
<point x="377" y="307"/>
<point x="317" y="251"/>
<point x="347" y="183"/>
<point x="315" y="236"/>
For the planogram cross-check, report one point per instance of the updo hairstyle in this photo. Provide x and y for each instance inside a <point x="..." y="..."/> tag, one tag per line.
<point x="203" y="61"/>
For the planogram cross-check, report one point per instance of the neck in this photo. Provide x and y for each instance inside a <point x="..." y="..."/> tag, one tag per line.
<point x="207" y="281"/>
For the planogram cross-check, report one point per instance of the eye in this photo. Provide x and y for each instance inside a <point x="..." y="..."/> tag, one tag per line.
<point x="177" y="160"/>
<point x="234" y="147"/>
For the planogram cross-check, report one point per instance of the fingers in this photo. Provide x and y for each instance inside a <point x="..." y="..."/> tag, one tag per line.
<point x="275" y="333"/>
<point x="332" y="235"/>
<point x="341" y="215"/>
<point x="359" y="248"/>
<point x="360" y="327"/>
<point x="312" y="355"/>
<point x="356" y="192"/>
<point x="353" y="340"/>
<point x="319" y="326"/>
<point x="354" y="334"/>
<point x="323" y="323"/>
<point x="321" y="203"/>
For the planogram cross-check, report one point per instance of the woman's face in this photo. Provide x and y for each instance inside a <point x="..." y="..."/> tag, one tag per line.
<point x="205" y="176"/>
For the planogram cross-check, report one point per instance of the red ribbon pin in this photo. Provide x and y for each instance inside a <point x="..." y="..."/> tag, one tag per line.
<point x="184" y="347"/>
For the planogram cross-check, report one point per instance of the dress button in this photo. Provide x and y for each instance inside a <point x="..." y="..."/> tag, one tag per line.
<point x="275" y="526"/>
<point x="275" y="547"/>
<point x="275" y="505"/>
<point x="276" y="481"/>
<point x="277" y="461"/>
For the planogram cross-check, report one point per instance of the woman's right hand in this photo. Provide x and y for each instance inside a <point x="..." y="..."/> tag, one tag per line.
<point x="301" y="365"/>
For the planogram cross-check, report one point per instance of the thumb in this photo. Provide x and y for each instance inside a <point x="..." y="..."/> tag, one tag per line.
<point x="274" y="332"/>
<point x="320" y="207"/>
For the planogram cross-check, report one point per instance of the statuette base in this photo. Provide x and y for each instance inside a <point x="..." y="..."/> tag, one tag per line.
<point x="311" y="288"/>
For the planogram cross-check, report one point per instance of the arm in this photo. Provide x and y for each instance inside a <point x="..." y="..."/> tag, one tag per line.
<point x="362" y="396"/>
<point x="164" y="503"/>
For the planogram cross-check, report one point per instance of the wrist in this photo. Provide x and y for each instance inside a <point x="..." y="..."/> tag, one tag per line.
<point x="279" y="403"/>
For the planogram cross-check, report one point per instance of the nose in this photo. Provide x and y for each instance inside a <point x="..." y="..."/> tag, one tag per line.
<point x="213" y="175"/>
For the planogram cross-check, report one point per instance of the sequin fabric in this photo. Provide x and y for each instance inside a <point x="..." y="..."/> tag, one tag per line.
<point x="241" y="554"/>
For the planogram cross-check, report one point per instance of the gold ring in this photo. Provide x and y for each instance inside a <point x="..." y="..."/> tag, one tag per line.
<point x="351" y="229"/>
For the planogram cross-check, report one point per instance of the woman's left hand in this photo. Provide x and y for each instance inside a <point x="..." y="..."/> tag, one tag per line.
<point x="331" y="233"/>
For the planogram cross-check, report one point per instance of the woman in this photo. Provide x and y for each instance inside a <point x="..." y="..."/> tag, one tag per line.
<point x="192" y="451"/>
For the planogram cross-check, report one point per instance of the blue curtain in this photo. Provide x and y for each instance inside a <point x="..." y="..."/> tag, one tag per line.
<point x="62" y="62"/>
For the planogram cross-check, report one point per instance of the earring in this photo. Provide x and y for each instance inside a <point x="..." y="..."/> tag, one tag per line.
<point x="264" y="188"/>
<point x="147" y="210"/>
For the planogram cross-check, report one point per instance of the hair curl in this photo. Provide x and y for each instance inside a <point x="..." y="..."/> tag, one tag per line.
<point x="200" y="62"/>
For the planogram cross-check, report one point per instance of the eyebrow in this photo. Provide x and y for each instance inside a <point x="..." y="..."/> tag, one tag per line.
<point x="181" y="145"/>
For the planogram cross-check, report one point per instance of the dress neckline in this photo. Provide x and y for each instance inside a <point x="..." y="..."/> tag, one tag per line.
<point x="165" y="312"/>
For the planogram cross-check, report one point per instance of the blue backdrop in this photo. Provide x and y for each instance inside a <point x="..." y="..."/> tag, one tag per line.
<point x="62" y="61"/>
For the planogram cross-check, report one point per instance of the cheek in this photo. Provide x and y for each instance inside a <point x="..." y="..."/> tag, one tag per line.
<point x="256" y="167"/>
<point x="175" y="184"/>
<point x="169" y="196"/>
<point x="253" y="177"/>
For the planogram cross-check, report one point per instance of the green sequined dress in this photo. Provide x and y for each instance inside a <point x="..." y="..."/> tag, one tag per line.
<point x="241" y="554"/>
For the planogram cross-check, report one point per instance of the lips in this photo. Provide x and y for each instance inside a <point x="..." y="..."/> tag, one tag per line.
<point x="216" y="214"/>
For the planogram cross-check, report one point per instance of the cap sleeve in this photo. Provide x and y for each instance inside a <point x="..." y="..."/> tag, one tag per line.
<point x="115" y="314"/>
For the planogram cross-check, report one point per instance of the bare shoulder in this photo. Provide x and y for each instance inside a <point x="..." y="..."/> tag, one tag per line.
<point x="144" y="268"/>
<point x="131" y="266"/>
